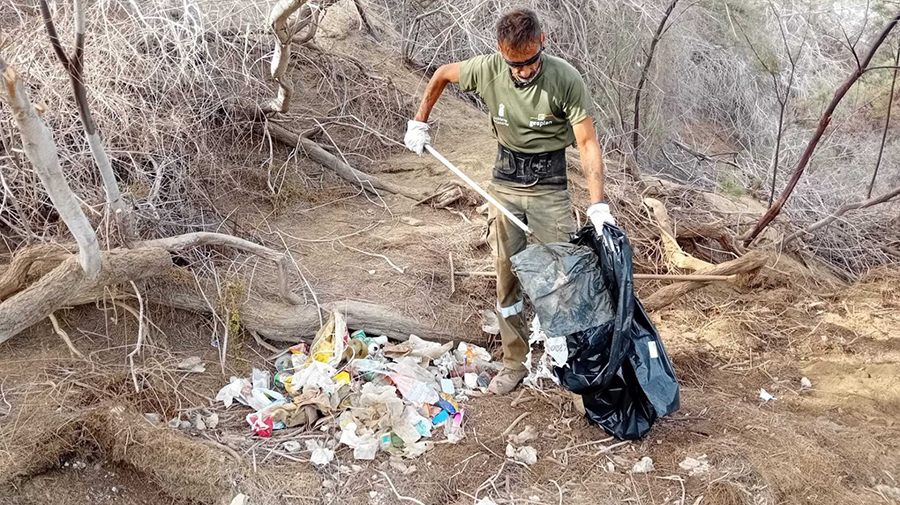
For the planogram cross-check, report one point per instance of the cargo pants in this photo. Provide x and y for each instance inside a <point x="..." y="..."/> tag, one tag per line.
<point x="548" y="212"/>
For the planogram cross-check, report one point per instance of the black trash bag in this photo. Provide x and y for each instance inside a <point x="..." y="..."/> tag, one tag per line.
<point x="617" y="362"/>
<point x="565" y="283"/>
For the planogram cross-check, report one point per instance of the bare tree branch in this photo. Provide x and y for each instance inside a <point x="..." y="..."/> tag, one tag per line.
<point x="843" y="209"/>
<point x="40" y="149"/>
<point x="278" y="21"/>
<point x="636" y="130"/>
<point x="887" y="123"/>
<point x="824" y="121"/>
<point x="74" y="66"/>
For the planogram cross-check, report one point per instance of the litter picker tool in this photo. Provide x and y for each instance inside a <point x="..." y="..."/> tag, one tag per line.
<point x="512" y="217"/>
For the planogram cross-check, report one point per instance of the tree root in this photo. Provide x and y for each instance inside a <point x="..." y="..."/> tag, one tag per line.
<point x="67" y="285"/>
<point x="288" y="320"/>
<point x="291" y="323"/>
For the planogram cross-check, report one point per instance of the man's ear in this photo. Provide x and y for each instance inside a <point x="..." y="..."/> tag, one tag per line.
<point x="543" y="38"/>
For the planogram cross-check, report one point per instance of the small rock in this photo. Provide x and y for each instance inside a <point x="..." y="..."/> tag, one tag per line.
<point x="356" y="468"/>
<point x="527" y="454"/>
<point x="153" y="417"/>
<point x="194" y="364"/>
<point x="486" y="501"/>
<point x="534" y="497"/>
<point x="525" y="436"/>
<point x="610" y="467"/>
<point x="411" y="221"/>
<point x="292" y="446"/>
<point x="185" y="425"/>
<point x="891" y="493"/>
<point x="114" y="489"/>
<point x="174" y="423"/>
<point x="240" y="499"/>
<point x="198" y="422"/>
<point x="695" y="466"/>
<point x="766" y="396"/>
<point x="805" y="383"/>
<point x="212" y="421"/>
<point x="645" y="465"/>
<point x="328" y="483"/>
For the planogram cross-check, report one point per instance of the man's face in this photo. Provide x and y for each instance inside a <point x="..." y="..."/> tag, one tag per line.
<point x="522" y="73"/>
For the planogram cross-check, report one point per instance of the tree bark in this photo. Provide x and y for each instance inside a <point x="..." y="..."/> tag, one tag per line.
<point x="40" y="149"/>
<point x="74" y="66"/>
<point x="824" y="121"/>
<point x="292" y="323"/>
<point x="68" y="285"/>
<point x="278" y="21"/>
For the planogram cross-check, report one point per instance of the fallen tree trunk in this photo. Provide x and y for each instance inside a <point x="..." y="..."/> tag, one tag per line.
<point x="750" y="262"/>
<point x="350" y="174"/>
<point x="675" y="257"/>
<point x="62" y="283"/>
<point x="68" y="285"/>
<point x="292" y="323"/>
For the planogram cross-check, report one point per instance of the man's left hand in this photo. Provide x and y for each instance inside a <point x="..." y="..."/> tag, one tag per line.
<point x="599" y="214"/>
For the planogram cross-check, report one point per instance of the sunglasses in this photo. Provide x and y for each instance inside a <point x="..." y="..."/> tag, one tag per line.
<point x="527" y="62"/>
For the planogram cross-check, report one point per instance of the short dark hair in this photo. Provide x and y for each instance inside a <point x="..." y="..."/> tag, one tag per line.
<point x="518" y="28"/>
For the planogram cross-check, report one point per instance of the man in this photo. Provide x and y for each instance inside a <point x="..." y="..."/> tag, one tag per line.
<point x="538" y="105"/>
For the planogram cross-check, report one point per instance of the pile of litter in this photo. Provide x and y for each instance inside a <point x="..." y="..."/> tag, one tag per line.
<point x="381" y="396"/>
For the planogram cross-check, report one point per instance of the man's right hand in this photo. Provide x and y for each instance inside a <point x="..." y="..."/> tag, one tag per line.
<point x="416" y="136"/>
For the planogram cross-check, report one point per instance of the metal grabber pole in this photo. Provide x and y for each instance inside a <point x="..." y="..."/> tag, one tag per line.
<point x="512" y="217"/>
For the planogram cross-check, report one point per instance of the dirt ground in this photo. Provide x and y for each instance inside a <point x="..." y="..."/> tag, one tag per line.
<point x="72" y="430"/>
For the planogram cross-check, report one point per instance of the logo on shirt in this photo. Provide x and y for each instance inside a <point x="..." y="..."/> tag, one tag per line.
<point x="541" y="120"/>
<point x="499" y="119"/>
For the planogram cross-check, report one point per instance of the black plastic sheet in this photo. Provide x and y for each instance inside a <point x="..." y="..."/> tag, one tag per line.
<point x="616" y="360"/>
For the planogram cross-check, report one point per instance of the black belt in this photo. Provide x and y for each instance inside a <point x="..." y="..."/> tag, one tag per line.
<point x="523" y="169"/>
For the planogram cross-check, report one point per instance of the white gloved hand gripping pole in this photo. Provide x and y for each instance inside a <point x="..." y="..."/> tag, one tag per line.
<point x="512" y="217"/>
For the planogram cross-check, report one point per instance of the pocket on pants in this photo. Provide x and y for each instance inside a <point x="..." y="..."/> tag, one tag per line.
<point x="565" y="222"/>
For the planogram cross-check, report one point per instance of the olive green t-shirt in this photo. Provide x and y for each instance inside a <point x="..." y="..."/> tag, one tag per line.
<point x="534" y="119"/>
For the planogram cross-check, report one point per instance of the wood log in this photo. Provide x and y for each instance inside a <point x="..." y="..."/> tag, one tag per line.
<point x="348" y="173"/>
<point x="674" y="255"/>
<point x="292" y="323"/>
<point x="750" y="262"/>
<point x="68" y="285"/>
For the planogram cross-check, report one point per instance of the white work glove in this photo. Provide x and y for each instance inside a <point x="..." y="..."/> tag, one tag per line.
<point x="599" y="214"/>
<point x="416" y="136"/>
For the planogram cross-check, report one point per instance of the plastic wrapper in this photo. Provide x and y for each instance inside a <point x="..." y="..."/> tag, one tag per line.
<point x="616" y="360"/>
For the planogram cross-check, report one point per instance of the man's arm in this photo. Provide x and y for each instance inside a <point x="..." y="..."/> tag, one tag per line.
<point x="442" y="76"/>
<point x="591" y="158"/>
